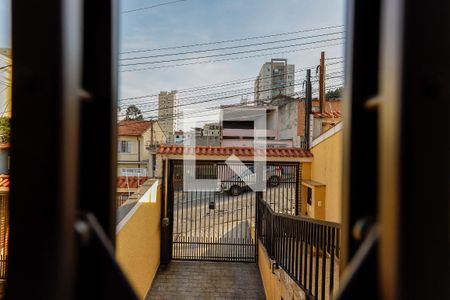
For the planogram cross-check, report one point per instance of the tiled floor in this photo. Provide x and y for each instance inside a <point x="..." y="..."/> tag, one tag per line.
<point x="207" y="280"/>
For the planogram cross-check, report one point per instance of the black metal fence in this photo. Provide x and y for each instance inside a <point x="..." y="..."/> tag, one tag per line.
<point x="307" y="249"/>
<point x="217" y="224"/>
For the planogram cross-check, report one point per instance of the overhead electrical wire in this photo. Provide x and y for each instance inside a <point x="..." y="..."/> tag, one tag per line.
<point x="203" y="110"/>
<point x="201" y="96"/>
<point x="224" y="83"/>
<point x="233" y="40"/>
<point x="152" y="6"/>
<point x="220" y="98"/>
<point x="232" y="53"/>
<point x="233" y="58"/>
<point x="233" y="47"/>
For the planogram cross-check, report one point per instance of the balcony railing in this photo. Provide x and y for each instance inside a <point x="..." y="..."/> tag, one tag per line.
<point x="306" y="249"/>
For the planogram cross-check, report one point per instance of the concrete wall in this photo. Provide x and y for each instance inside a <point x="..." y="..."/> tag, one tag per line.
<point x="326" y="168"/>
<point x="288" y="120"/>
<point x="138" y="241"/>
<point x="279" y="285"/>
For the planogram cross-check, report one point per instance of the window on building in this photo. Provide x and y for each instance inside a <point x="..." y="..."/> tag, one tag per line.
<point x="125" y="146"/>
<point x="309" y="196"/>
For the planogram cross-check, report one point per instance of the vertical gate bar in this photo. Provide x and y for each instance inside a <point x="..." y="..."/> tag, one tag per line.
<point x="324" y="265"/>
<point x="332" y="254"/>
<point x="300" y="267"/>
<point x="286" y="242"/>
<point x="305" y="279"/>
<point x="297" y="232"/>
<point x="294" y="241"/>
<point x="311" y="238"/>
<point x="316" y="275"/>
<point x="198" y="191"/>
<point x="297" y="185"/>
<point x="292" y="247"/>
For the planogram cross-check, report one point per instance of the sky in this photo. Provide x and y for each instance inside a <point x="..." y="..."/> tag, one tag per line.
<point x="5" y="24"/>
<point x="203" y="21"/>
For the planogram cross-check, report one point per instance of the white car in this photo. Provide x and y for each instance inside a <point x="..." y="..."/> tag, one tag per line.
<point x="237" y="184"/>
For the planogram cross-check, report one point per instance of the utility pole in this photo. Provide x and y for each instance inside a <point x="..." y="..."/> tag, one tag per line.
<point x="322" y="81"/>
<point x="308" y="99"/>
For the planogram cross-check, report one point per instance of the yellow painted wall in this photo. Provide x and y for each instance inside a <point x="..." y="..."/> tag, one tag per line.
<point x="279" y="285"/>
<point x="134" y="153"/>
<point x="138" y="241"/>
<point x="326" y="168"/>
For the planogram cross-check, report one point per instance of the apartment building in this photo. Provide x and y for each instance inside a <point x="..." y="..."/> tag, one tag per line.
<point x="275" y="77"/>
<point x="168" y="114"/>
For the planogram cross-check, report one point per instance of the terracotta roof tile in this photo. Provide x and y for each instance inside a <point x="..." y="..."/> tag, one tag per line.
<point x="133" y="182"/>
<point x="4" y="181"/>
<point x="238" y="151"/>
<point x="334" y="114"/>
<point x="132" y="127"/>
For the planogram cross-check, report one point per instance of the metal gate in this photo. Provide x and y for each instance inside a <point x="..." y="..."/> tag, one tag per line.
<point x="219" y="225"/>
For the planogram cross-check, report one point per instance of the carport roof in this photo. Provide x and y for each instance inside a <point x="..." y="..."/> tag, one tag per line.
<point x="227" y="151"/>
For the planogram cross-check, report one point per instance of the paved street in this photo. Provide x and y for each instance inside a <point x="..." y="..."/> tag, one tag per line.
<point x="207" y="280"/>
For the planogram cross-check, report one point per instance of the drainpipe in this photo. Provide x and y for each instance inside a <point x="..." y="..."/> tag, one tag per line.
<point x="139" y="149"/>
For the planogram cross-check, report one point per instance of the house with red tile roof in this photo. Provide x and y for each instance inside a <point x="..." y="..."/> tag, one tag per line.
<point x="136" y="138"/>
<point x="127" y="186"/>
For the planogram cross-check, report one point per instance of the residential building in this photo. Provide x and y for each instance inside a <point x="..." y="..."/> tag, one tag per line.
<point x="168" y="113"/>
<point x="211" y="129"/>
<point x="127" y="186"/>
<point x="136" y="140"/>
<point x="206" y="136"/>
<point x="179" y="137"/>
<point x="292" y="117"/>
<point x="275" y="77"/>
<point x="238" y="126"/>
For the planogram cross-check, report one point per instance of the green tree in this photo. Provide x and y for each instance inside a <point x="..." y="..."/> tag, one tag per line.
<point x="337" y="93"/>
<point x="5" y="129"/>
<point x="133" y="113"/>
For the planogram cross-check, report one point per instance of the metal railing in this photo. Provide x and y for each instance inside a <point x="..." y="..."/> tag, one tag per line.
<point x="306" y="249"/>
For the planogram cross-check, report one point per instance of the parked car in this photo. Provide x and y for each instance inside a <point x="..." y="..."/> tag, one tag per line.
<point x="237" y="184"/>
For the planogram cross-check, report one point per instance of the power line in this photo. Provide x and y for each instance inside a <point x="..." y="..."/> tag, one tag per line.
<point x="172" y="116"/>
<point x="234" y="47"/>
<point x="233" y="40"/>
<point x="224" y="83"/>
<point x="232" y="53"/>
<point x="225" y="97"/>
<point x="5" y="67"/>
<point x="210" y="86"/>
<point x="230" y="59"/>
<point x="153" y="102"/>
<point x="152" y="6"/>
